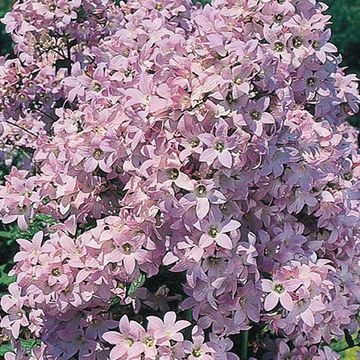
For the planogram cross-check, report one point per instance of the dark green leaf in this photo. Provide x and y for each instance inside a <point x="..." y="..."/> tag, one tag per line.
<point x="4" y="348"/>
<point x="138" y="282"/>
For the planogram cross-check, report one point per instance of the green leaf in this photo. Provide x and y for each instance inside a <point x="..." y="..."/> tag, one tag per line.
<point x="27" y="345"/>
<point x="138" y="282"/>
<point x="5" y="279"/>
<point x="202" y="2"/>
<point x="4" y="348"/>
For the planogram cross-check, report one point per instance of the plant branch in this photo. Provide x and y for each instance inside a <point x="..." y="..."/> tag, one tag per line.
<point x="349" y="347"/>
<point x="20" y="127"/>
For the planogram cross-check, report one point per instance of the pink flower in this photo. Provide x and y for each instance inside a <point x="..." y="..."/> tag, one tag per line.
<point x="203" y="147"/>
<point x="127" y="341"/>
<point x="219" y="146"/>
<point x="13" y="305"/>
<point x="216" y="230"/>
<point x="322" y="47"/>
<point x="30" y="250"/>
<point x="279" y="292"/>
<point x="202" y="197"/>
<point x="169" y="329"/>
<point x="198" y="349"/>
<point x="257" y="116"/>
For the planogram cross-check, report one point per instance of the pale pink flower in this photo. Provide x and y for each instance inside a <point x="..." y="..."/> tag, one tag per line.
<point x="279" y="292"/>
<point x="169" y="329"/>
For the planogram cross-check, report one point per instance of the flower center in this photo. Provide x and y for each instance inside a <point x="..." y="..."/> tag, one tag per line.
<point x="311" y="81"/>
<point x="99" y="130"/>
<point x="316" y="45"/>
<point x="237" y="81"/>
<point x="196" y="352"/>
<point x="194" y="142"/>
<point x="279" y="288"/>
<point x="158" y="6"/>
<point x="96" y="86"/>
<point x="223" y="207"/>
<point x="255" y="115"/>
<point x="279" y="46"/>
<point x="242" y="301"/>
<point x="200" y="190"/>
<point x="348" y="176"/>
<point x="174" y="174"/>
<point x="97" y="153"/>
<point x="55" y="272"/>
<point x="213" y="231"/>
<point x="127" y="248"/>
<point x="219" y="146"/>
<point x="129" y="342"/>
<point x="22" y="97"/>
<point x="127" y="72"/>
<point x="213" y="260"/>
<point x="149" y="342"/>
<point x="297" y="42"/>
<point x="278" y="18"/>
<point x="21" y="209"/>
<point x="66" y="291"/>
<point x="301" y="302"/>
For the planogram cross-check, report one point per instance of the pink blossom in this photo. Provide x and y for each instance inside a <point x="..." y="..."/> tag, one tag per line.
<point x="127" y="341"/>
<point x="169" y="329"/>
<point x="216" y="231"/>
<point x="279" y="292"/>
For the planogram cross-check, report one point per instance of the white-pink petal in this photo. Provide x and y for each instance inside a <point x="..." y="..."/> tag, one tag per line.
<point x="225" y="158"/>
<point x="224" y="241"/>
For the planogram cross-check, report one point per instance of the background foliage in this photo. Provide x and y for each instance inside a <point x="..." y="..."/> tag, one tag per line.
<point x="346" y="31"/>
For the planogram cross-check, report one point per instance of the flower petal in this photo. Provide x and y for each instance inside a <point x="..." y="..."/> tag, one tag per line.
<point x="271" y="301"/>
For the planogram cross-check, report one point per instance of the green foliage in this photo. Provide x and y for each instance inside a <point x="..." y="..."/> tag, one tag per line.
<point x="5" y="41"/>
<point x="345" y="350"/>
<point x="4" y="348"/>
<point x="345" y="30"/>
<point x="345" y="35"/>
<point x="203" y="2"/>
<point x="26" y="346"/>
<point x="39" y="222"/>
<point x="5" y="279"/>
<point x="137" y="283"/>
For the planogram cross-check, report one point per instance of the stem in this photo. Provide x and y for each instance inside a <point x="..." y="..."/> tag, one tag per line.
<point x="348" y="347"/>
<point x="20" y="127"/>
<point x="244" y="337"/>
<point x="44" y="113"/>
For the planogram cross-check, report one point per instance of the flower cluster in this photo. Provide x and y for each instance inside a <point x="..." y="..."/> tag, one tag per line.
<point x="202" y="148"/>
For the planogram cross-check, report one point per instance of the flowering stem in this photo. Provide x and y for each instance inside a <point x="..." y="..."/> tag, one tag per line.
<point x="244" y="337"/>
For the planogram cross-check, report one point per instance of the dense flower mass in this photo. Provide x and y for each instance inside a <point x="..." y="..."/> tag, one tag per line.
<point x="200" y="173"/>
